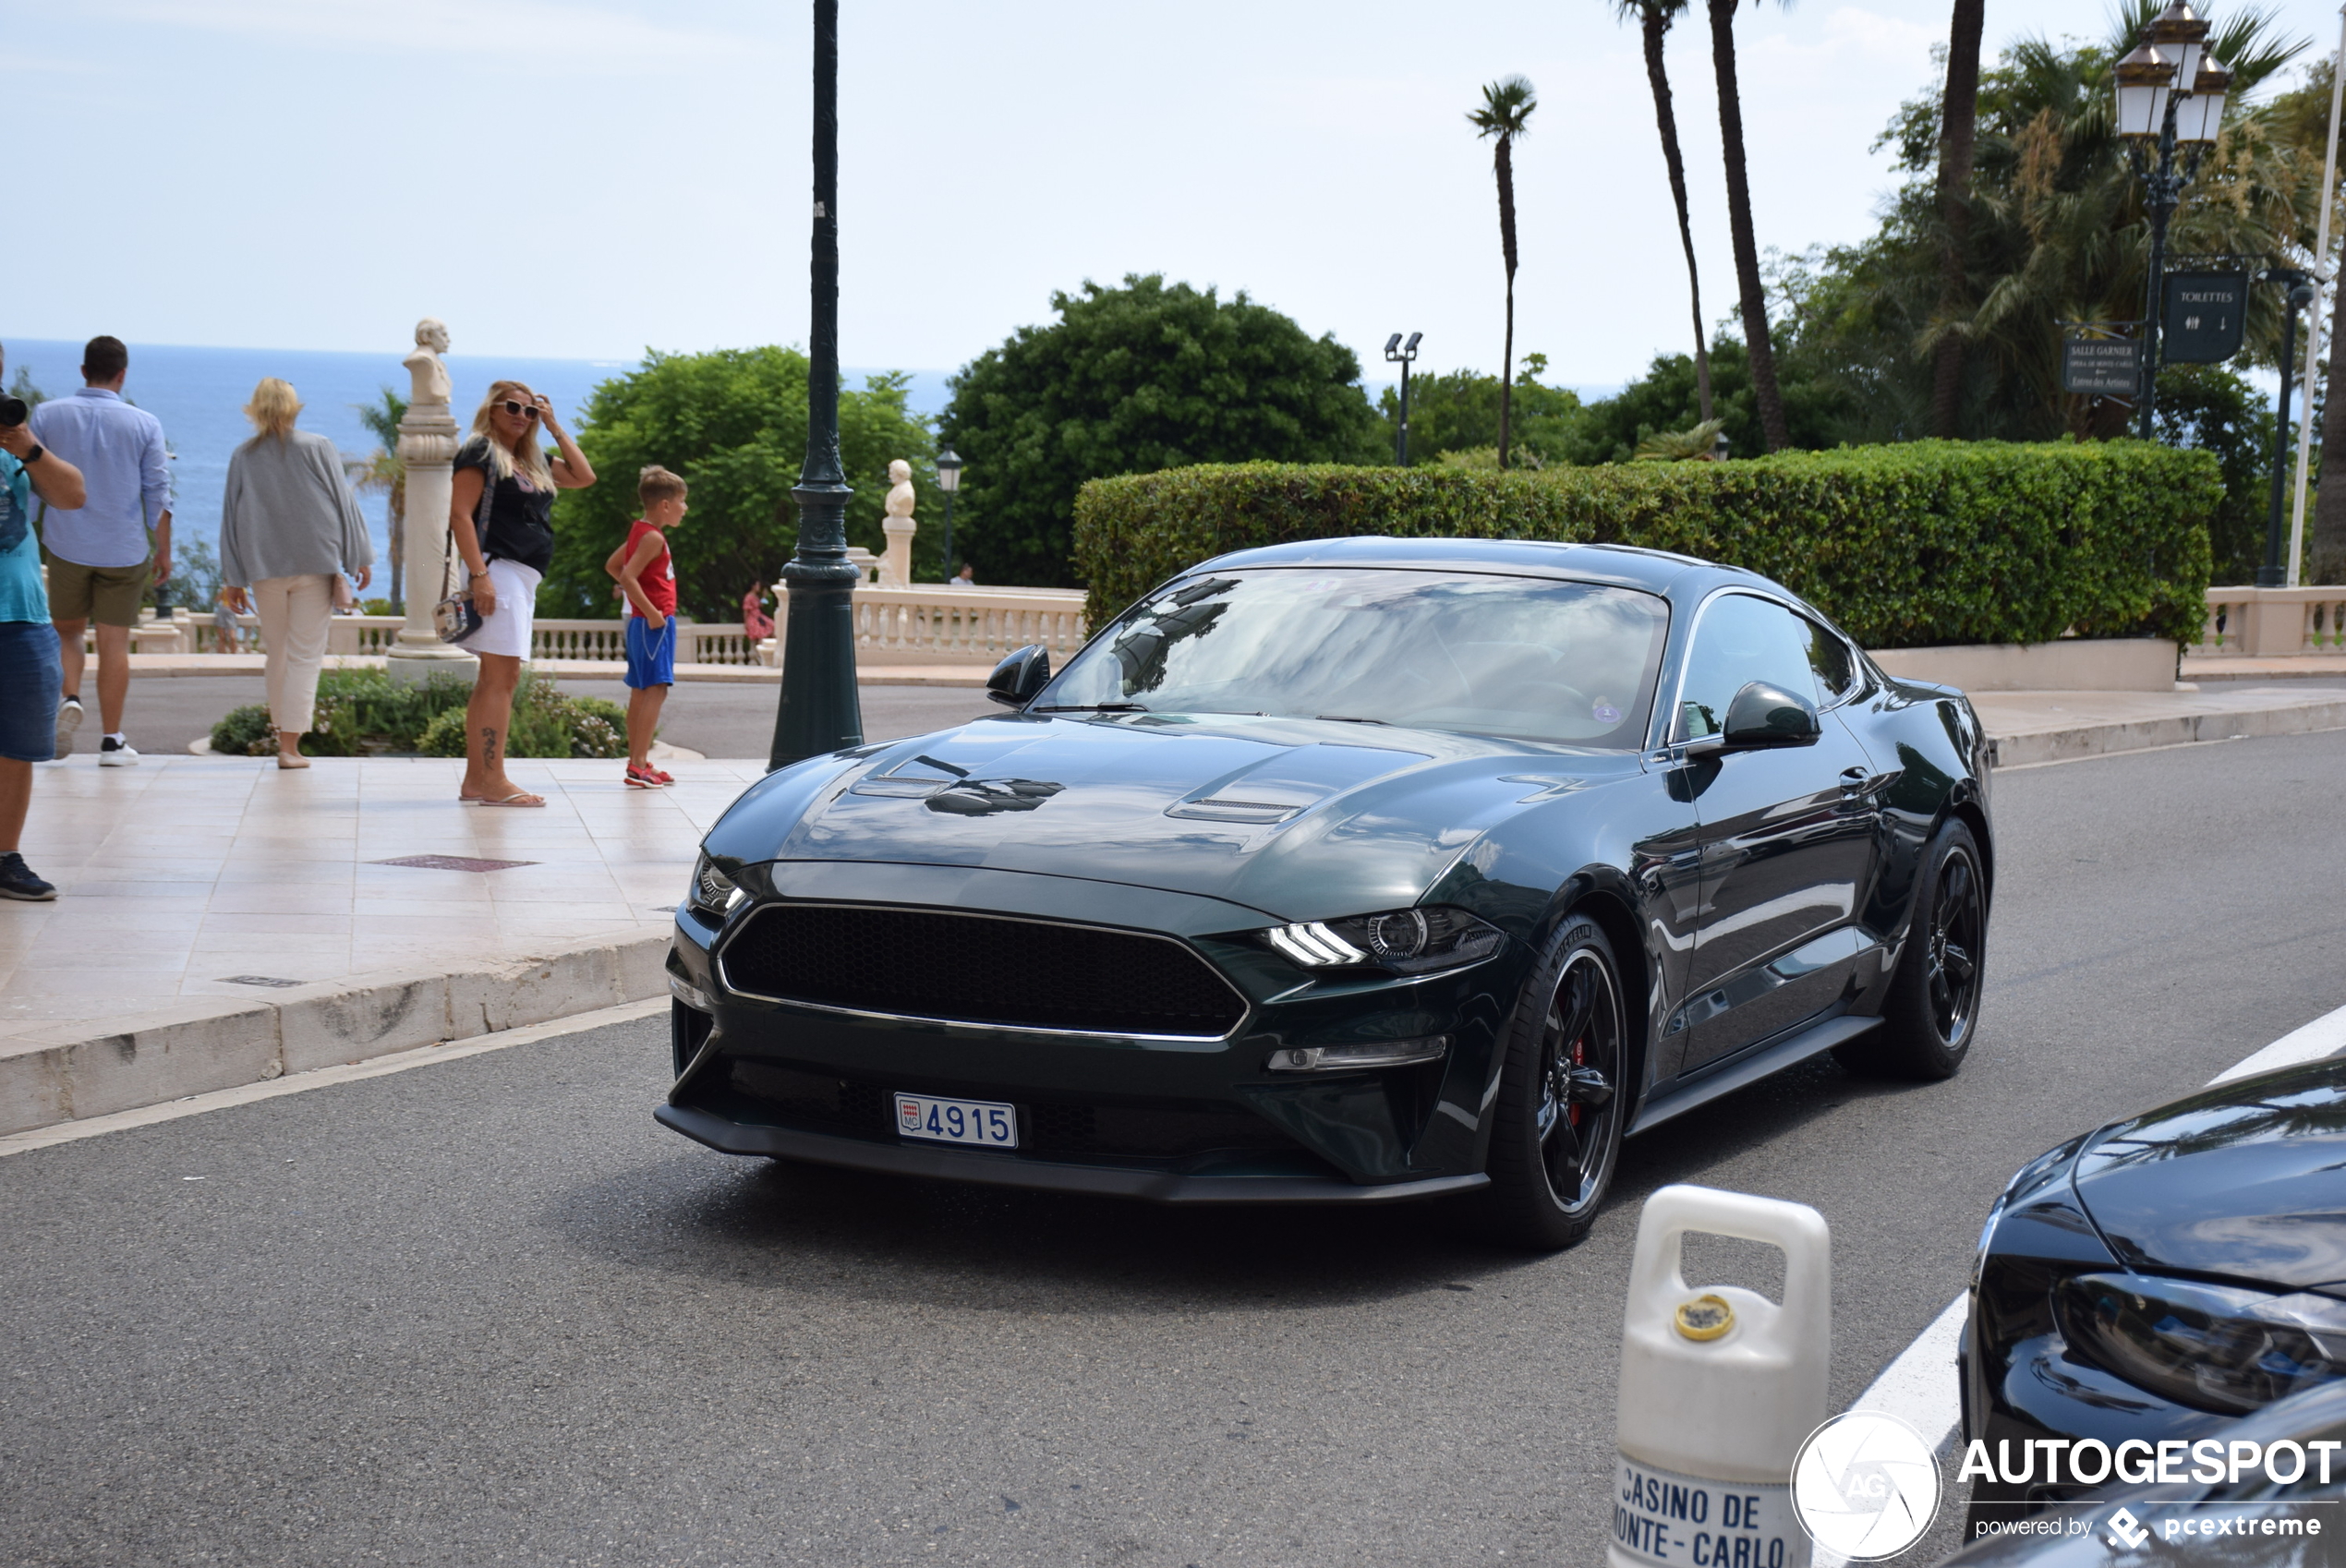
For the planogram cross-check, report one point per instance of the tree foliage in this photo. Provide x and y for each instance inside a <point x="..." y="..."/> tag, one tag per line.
<point x="1458" y="411"/>
<point x="734" y="423"/>
<point x="1130" y="379"/>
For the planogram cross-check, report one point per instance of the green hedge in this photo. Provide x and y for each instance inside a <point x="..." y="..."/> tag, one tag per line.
<point x="365" y="713"/>
<point x="1905" y="546"/>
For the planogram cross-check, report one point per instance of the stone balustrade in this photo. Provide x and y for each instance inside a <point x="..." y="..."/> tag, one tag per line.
<point x="2273" y="622"/>
<point x="894" y="625"/>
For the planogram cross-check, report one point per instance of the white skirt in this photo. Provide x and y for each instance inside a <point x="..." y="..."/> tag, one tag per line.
<point x="507" y="630"/>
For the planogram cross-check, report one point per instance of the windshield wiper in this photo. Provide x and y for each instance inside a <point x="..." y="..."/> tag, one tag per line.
<point x="1093" y="707"/>
<point x="1348" y="718"/>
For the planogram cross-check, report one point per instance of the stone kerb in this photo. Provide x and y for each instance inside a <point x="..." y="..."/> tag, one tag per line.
<point x="73" y="1070"/>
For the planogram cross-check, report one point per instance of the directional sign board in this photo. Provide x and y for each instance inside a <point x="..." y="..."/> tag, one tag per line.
<point x="2204" y="316"/>
<point x="2109" y="367"/>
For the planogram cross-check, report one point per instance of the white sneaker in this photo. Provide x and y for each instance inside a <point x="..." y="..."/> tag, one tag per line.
<point x="68" y="721"/>
<point x="116" y="754"/>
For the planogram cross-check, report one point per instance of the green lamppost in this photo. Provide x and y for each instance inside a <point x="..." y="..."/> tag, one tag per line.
<point x="819" y="709"/>
<point x="949" y="480"/>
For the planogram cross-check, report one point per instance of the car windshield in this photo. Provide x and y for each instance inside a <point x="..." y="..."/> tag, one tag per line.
<point x="1523" y="657"/>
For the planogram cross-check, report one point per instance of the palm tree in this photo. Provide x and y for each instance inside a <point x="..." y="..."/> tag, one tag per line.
<point x="1654" y="17"/>
<point x="1754" y="297"/>
<point x="1506" y="109"/>
<point x="1955" y="142"/>
<point x="385" y="472"/>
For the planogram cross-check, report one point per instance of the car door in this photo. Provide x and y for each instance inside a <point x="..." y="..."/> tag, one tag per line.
<point x="1788" y="837"/>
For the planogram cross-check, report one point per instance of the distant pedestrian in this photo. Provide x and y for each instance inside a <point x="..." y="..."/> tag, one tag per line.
<point x="103" y="554"/>
<point x="29" y="678"/>
<point x="967" y="579"/>
<point x="647" y="576"/>
<point x="290" y="535"/>
<point x="757" y="625"/>
<point x="503" y="520"/>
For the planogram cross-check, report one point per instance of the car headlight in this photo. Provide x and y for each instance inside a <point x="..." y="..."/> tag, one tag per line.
<point x="2210" y="1346"/>
<point x="712" y="892"/>
<point x="1413" y="941"/>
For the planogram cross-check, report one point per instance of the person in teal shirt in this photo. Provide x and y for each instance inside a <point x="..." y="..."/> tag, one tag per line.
<point x="28" y="665"/>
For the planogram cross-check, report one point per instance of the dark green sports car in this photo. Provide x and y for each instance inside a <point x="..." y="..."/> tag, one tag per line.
<point x="1350" y="871"/>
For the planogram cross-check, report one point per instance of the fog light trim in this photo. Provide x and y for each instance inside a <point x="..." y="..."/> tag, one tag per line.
<point x="1353" y="1058"/>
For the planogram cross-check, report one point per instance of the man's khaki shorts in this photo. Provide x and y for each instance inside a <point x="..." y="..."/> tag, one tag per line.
<point x="110" y="595"/>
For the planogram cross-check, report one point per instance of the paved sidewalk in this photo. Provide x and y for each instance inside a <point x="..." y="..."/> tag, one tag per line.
<point x="182" y="871"/>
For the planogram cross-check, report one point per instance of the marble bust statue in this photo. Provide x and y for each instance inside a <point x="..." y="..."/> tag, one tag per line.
<point x="427" y="375"/>
<point x="899" y="494"/>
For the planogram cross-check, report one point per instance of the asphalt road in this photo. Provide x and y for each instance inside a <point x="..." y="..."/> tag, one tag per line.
<point x="717" y="718"/>
<point x="487" y="1312"/>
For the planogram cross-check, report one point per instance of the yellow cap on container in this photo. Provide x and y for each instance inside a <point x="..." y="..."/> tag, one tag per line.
<point x="1705" y="1317"/>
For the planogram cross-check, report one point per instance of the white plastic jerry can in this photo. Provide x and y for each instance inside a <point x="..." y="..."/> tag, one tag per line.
<point x="1720" y="1386"/>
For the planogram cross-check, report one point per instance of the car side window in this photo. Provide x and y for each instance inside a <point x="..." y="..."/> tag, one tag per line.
<point x="1831" y="661"/>
<point x="1740" y="639"/>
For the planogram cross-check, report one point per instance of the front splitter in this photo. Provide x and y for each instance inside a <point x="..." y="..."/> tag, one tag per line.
<point x="1003" y="1170"/>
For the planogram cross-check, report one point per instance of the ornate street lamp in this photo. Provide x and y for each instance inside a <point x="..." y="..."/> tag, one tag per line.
<point x="949" y="480"/>
<point x="820" y="710"/>
<point x="2169" y="95"/>
<point x="1403" y="355"/>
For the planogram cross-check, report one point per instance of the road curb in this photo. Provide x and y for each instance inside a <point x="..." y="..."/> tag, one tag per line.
<point x="81" y="1069"/>
<point x="2023" y="748"/>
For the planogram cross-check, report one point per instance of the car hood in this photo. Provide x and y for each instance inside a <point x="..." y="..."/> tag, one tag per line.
<point x="1300" y="819"/>
<point x="2247" y="1180"/>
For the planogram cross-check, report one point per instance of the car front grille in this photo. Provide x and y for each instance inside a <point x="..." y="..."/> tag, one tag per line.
<point x="980" y="969"/>
<point x="859" y="1108"/>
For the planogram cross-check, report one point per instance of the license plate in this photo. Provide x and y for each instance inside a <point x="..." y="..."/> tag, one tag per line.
<point x="987" y="1123"/>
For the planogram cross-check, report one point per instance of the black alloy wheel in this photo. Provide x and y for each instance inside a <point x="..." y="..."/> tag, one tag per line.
<point x="1933" y="1008"/>
<point x="1556" y="1134"/>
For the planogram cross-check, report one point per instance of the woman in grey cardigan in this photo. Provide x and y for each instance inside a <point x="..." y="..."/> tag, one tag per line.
<point x="289" y="527"/>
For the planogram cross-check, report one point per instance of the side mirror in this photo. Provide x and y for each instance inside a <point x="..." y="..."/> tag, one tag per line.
<point x="1764" y="716"/>
<point x="1020" y="679"/>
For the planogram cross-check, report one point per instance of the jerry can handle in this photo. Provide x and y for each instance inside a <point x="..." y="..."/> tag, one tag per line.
<point x="1796" y="1230"/>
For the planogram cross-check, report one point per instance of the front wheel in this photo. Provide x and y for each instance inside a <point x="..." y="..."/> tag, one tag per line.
<point x="1556" y="1129"/>
<point x="1933" y="1008"/>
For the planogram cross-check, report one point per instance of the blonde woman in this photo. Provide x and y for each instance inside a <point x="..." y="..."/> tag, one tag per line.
<point x="501" y="517"/>
<point x="289" y="525"/>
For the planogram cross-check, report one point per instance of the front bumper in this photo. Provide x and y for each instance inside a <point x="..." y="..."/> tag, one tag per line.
<point x="1043" y="1176"/>
<point x="1170" y="1120"/>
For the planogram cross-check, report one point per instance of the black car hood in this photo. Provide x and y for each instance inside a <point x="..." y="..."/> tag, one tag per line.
<point x="1300" y="819"/>
<point x="2246" y="1181"/>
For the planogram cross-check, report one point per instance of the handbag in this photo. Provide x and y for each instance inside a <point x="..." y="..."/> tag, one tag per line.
<point x="456" y="617"/>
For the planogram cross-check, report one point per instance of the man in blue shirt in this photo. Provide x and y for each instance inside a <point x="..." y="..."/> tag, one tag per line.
<point x="98" y="554"/>
<point x="28" y="643"/>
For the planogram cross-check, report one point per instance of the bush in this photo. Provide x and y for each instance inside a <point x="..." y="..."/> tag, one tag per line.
<point x="1905" y="546"/>
<point x="364" y="712"/>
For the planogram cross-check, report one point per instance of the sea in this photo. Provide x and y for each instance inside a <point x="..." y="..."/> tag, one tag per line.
<point x="199" y="393"/>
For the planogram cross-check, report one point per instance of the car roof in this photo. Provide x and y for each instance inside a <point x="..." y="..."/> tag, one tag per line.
<point x="1654" y="571"/>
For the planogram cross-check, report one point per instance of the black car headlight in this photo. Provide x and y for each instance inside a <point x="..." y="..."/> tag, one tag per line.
<point x="1414" y="941"/>
<point x="2210" y="1346"/>
<point x="712" y="892"/>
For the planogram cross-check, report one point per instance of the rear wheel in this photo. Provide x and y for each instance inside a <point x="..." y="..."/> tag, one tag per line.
<point x="1556" y="1129"/>
<point x="1933" y="1011"/>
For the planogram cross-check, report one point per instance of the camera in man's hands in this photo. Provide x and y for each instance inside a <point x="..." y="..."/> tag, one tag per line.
<point x="12" y="412"/>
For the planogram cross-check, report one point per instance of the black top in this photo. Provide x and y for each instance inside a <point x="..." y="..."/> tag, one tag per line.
<point x="521" y="517"/>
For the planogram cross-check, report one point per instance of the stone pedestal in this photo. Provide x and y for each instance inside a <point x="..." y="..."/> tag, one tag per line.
<point x="428" y="442"/>
<point x="896" y="567"/>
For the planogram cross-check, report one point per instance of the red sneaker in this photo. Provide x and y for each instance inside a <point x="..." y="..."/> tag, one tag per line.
<point x="644" y="778"/>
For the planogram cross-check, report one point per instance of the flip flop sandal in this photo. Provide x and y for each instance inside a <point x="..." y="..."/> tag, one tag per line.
<point x="518" y="797"/>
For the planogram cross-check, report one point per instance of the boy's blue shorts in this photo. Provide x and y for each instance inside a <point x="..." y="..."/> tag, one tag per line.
<point x="28" y="679"/>
<point x="652" y="656"/>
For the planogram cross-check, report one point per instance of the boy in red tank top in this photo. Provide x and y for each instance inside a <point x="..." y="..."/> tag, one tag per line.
<point x="646" y="578"/>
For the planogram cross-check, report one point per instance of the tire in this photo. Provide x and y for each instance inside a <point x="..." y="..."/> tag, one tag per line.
<point x="1932" y="1012"/>
<point x="1556" y="1136"/>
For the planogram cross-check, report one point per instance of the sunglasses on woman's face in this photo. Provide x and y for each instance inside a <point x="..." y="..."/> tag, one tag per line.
<point x="521" y="410"/>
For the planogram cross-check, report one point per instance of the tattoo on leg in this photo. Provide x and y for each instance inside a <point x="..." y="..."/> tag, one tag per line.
<point x="489" y="746"/>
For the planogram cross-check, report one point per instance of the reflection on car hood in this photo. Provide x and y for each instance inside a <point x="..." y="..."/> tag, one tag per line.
<point x="2247" y="1181"/>
<point x="1300" y="819"/>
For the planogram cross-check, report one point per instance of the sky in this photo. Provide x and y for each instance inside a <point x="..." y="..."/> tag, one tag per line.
<point x="590" y="178"/>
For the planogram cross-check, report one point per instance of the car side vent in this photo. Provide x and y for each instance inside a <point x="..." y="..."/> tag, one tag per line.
<point x="980" y="969"/>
